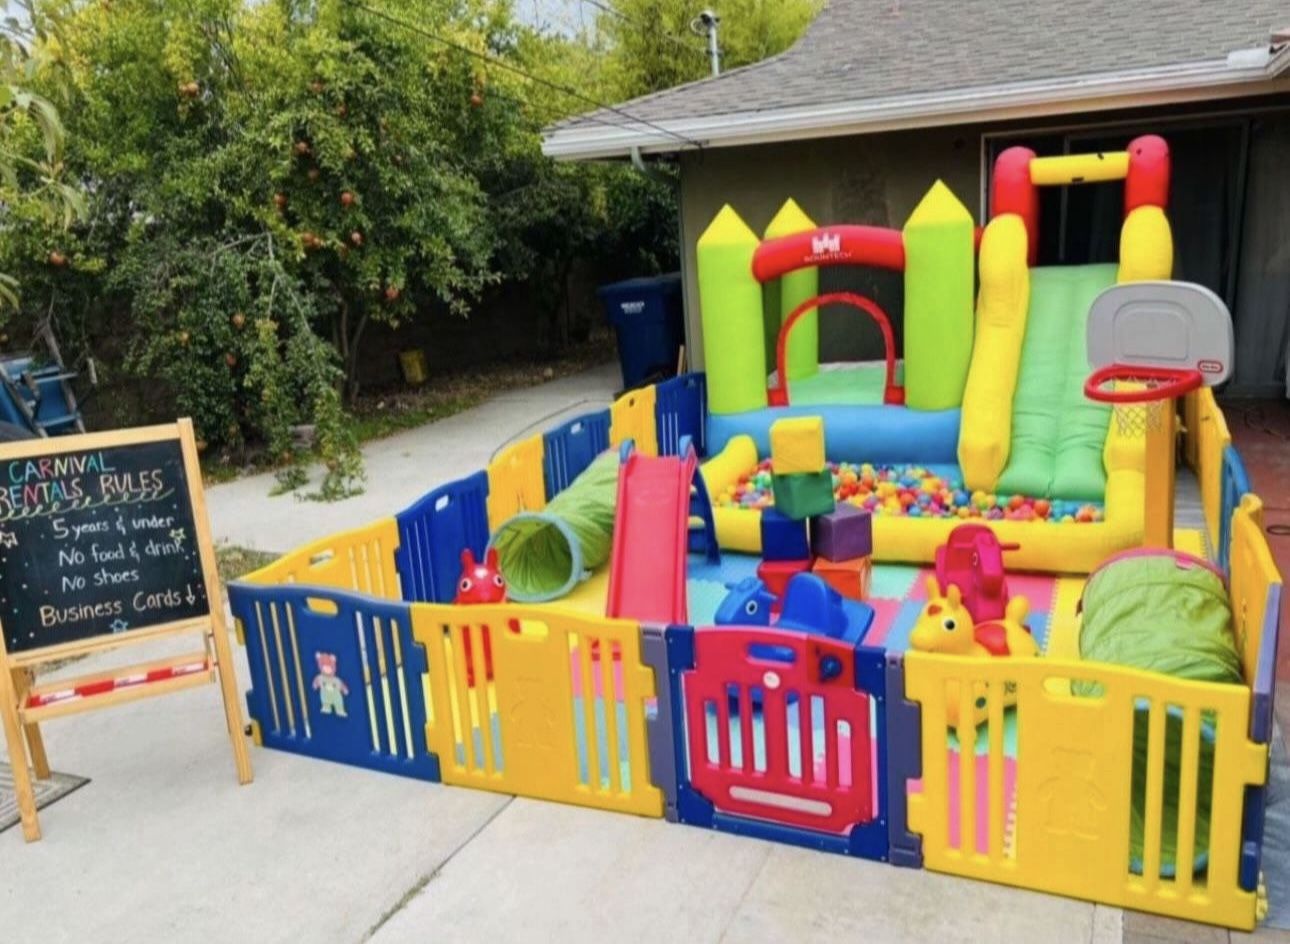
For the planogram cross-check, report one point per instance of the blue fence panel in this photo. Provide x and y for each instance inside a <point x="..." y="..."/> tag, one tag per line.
<point x="335" y="675"/>
<point x="1262" y="713"/>
<point x="434" y="532"/>
<point x="1233" y="483"/>
<point x="570" y="448"/>
<point x="681" y="409"/>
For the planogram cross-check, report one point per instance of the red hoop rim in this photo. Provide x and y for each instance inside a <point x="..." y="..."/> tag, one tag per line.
<point x="1174" y="383"/>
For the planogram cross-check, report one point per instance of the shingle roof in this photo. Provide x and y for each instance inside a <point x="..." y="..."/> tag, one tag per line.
<point x="860" y="50"/>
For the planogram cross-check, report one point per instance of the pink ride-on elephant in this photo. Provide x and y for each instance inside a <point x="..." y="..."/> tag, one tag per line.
<point x="972" y="560"/>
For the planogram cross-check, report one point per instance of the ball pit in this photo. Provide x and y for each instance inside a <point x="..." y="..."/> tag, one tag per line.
<point x="915" y="492"/>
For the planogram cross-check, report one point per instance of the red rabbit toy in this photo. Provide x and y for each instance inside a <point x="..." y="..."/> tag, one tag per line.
<point x="479" y="583"/>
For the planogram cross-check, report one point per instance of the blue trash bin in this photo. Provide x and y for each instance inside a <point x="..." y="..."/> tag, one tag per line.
<point x="648" y="318"/>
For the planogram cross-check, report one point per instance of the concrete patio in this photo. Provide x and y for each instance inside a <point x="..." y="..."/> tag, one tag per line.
<point x="164" y="846"/>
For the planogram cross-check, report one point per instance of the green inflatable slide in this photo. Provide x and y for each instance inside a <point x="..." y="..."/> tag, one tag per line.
<point x="1057" y="433"/>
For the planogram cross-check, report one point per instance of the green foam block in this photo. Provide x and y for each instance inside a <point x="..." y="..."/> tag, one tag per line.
<point x="802" y="495"/>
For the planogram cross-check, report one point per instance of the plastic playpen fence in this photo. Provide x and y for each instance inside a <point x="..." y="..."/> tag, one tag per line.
<point x="681" y="406"/>
<point x="1256" y="591"/>
<point x="570" y="448"/>
<point x="432" y="534"/>
<point x="1234" y="483"/>
<point x="1212" y="441"/>
<point x="780" y="736"/>
<point x="335" y="676"/>
<point x="632" y="416"/>
<point x="1064" y="825"/>
<point x="562" y="717"/>
<point x="361" y="560"/>
<point x="515" y="481"/>
<point x="1071" y="812"/>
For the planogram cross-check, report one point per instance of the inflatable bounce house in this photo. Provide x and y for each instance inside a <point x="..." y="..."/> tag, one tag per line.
<point x="930" y="610"/>
<point x="989" y="398"/>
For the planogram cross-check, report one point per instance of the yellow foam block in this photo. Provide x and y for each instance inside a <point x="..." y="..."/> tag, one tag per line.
<point x="797" y="445"/>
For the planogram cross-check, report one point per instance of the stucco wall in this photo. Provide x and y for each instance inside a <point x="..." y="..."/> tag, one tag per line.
<point x="874" y="179"/>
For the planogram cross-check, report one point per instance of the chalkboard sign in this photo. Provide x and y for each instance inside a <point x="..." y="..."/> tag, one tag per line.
<point x="97" y="542"/>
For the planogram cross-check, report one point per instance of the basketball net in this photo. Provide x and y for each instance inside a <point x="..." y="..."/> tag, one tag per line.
<point x="1140" y="396"/>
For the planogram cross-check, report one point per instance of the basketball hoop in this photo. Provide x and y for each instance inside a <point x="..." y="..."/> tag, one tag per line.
<point x="1139" y="394"/>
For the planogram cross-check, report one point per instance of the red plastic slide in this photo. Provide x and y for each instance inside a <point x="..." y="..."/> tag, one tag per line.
<point x="651" y="534"/>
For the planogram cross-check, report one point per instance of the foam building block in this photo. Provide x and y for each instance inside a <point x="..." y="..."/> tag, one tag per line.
<point x="803" y="495"/>
<point x="843" y="534"/>
<point x="783" y="538"/>
<point x="797" y="445"/>
<point x="775" y="574"/>
<point x="849" y="577"/>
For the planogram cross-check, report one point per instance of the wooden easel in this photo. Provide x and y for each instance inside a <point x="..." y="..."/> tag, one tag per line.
<point x="24" y="703"/>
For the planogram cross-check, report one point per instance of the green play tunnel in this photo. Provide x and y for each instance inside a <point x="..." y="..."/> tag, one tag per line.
<point x="544" y="554"/>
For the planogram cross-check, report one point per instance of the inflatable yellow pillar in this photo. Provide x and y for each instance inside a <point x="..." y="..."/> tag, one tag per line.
<point x="986" y="432"/>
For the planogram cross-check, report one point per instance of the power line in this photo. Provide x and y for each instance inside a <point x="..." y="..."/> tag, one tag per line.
<point x="614" y="11"/>
<point x="510" y="67"/>
<point x="551" y="112"/>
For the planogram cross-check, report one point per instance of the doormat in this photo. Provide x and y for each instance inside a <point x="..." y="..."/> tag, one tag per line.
<point x="47" y="792"/>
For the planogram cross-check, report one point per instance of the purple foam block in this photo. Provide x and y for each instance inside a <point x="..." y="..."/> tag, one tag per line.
<point x="844" y="534"/>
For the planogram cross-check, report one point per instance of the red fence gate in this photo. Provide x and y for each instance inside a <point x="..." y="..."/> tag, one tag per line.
<point x="777" y="736"/>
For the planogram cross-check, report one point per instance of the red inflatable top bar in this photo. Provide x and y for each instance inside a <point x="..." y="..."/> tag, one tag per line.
<point x="1147" y="183"/>
<point x="830" y="245"/>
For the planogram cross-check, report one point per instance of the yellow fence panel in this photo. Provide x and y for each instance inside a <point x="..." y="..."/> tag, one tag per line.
<point x="1254" y="575"/>
<point x="1212" y="438"/>
<point x="361" y="560"/>
<point x="1044" y="799"/>
<point x="1190" y="427"/>
<point x="539" y="703"/>
<point x="515" y="481"/>
<point x="632" y="417"/>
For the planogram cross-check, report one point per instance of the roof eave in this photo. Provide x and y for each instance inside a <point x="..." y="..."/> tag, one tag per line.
<point x="1212" y="79"/>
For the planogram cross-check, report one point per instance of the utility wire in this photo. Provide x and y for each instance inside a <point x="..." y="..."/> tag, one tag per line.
<point x="510" y="67"/>
<point x="547" y="113"/>
<point x="641" y="24"/>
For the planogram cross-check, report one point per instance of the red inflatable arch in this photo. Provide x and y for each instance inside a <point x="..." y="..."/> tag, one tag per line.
<point x="828" y="246"/>
<point x="891" y="393"/>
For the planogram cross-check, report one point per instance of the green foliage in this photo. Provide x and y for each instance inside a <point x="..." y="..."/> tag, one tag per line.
<point x="652" y="47"/>
<point x="31" y="132"/>
<point x="260" y="183"/>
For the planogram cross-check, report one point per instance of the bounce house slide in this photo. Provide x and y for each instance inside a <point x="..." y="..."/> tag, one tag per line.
<point x="1057" y="433"/>
<point x="651" y="532"/>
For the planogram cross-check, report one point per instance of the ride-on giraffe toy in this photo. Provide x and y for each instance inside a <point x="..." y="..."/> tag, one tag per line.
<point x="945" y="626"/>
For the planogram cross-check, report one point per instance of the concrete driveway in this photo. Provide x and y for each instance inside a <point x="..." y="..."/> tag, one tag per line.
<point x="164" y="846"/>
<point x="402" y="468"/>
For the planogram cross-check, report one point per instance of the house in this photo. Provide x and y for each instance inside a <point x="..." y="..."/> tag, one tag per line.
<point x="881" y="97"/>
